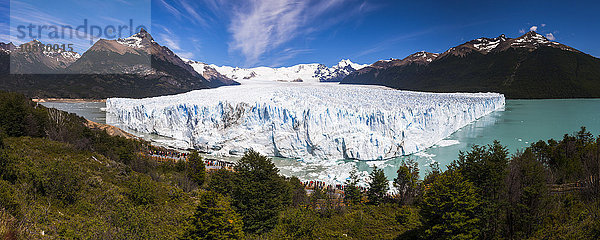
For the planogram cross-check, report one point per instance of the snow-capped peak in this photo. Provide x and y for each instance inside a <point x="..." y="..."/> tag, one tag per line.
<point x="421" y="57"/>
<point x="486" y="45"/>
<point x="139" y="40"/>
<point x="532" y="38"/>
<point x="199" y="67"/>
<point x="313" y="72"/>
<point x="346" y="62"/>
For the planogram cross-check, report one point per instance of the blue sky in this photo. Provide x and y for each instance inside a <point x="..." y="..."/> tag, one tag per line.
<point x="288" y="32"/>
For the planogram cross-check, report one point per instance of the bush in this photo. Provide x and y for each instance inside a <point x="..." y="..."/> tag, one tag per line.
<point x="60" y="180"/>
<point x="142" y="190"/>
<point x="7" y="198"/>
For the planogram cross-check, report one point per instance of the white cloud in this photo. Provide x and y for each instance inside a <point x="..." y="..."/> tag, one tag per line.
<point x="269" y="24"/>
<point x="261" y="26"/>
<point x="550" y="37"/>
<point x="543" y="24"/>
<point x="521" y="30"/>
<point x="533" y="28"/>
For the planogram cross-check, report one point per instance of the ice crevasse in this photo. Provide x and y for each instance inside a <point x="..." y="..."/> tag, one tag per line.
<point x="308" y="121"/>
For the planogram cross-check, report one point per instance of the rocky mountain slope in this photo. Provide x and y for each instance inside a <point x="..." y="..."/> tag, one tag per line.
<point x="136" y="66"/>
<point x="34" y="57"/>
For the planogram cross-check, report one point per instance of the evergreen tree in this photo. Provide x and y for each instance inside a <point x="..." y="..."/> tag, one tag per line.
<point x="433" y="172"/>
<point x="407" y="181"/>
<point x="214" y="218"/>
<point x="378" y="187"/>
<point x="353" y="194"/>
<point x="449" y="208"/>
<point x="222" y="181"/>
<point x="486" y="167"/>
<point x="196" y="170"/>
<point x="259" y="193"/>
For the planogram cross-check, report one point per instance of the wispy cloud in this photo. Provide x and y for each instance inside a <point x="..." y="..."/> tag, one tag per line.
<point x="170" y="42"/>
<point x="186" y="55"/>
<point x="191" y="12"/>
<point x="550" y="37"/>
<point x="261" y="26"/>
<point x="187" y="9"/>
<point x="176" y="13"/>
<point x="25" y="13"/>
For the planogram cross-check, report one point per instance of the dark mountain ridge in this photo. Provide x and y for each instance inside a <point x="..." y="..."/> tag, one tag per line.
<point x="530" y="66"/>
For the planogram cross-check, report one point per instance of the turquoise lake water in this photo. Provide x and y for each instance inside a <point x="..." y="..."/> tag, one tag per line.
<point x="519" y="124"/>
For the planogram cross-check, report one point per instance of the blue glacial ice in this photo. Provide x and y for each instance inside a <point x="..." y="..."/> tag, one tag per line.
<point x="308" y="121"/>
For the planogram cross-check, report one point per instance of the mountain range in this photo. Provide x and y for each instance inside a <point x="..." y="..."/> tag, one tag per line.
<point x="313" y="72"/>
<point x="136" y="66"/>
<point x="529" y="66"/>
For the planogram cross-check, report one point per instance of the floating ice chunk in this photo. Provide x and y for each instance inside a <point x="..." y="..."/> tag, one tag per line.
<point x="447" y="142"/>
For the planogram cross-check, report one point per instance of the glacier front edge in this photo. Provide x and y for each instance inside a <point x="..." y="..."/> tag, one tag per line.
<point x="308" y="121"/>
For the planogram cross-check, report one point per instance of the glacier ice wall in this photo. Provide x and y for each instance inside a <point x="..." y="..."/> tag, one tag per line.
<point x="309" y="121"/>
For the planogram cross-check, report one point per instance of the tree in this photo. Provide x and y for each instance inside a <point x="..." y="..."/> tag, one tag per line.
<point x="527" y="195"/>
<point x="214" y="218"/>
<point x="196" y="170"/>
<point x="353" y="194"/>
<point x="449" y="208"/>
<point x="222" y="181"/>
<point x="299" y="197"/>
<point x="259" y="193"/>
<point x="486" y="167"/>
<point x="433" y="172"/>
<point x="378" y="186"/>
<point x="407" y="181"/>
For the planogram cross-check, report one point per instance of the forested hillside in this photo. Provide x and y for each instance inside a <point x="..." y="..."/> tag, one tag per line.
<point x="62" y="180"/>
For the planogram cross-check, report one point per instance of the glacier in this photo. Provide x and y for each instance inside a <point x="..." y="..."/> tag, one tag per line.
<point x="308" y="121"/>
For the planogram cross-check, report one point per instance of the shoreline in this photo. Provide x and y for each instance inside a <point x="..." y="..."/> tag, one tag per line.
<point x="66" y="100"/>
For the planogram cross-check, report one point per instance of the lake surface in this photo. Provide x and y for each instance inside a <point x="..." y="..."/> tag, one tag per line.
<point x="519" y="124"/>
